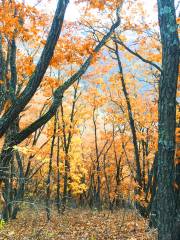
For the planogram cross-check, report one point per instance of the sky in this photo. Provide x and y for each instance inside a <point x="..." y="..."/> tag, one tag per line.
<point x="72" y="12"/>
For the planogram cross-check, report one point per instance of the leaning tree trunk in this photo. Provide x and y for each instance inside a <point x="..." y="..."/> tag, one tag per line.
<point x="167" y="120"/>
<point x="131" y="119"/>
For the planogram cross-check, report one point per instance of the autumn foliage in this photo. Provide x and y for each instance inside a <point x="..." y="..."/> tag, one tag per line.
<point x="87" y="134"/>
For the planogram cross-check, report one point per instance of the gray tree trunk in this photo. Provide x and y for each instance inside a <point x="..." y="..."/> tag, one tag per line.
<point x="167" y="121"/>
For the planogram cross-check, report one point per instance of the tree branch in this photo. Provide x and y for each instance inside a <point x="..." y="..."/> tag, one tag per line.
<point x="58" y="94"/>
<point x="137" y="54"/>
<point x="40" y="70"/>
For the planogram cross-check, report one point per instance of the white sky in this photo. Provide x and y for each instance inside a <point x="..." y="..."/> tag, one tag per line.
<point x="72" y="12"/>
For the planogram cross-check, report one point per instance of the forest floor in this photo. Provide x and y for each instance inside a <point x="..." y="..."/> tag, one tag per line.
<point x="78" y="224"/>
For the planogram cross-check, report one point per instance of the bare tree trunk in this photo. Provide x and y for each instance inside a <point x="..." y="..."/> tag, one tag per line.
<point x="2" y="77"/>
<point x="98" y="190"/>
<point x="48" y="195"/>
<point x="119" y="168"/>
<point x="21" y="188"/>
<point x="131" y="119"/>
<point x="167" y="121"/>
<point x="58" y="175"/>
<point x="67" y="137"/>
<point x="6" y="159"/>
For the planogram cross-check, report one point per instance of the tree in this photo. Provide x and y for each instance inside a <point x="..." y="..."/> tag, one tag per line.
<point x="16" y="96"/>
<point x="166" y="198"/>
<point x="38" y="74"/>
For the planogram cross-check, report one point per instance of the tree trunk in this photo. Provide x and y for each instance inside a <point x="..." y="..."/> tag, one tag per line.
<point x="50" y="172"/>
<point x="98" y="189"/>
<point x="21" y="188"/>
<point x="58" y="175"/>
<point x="131" y="119"/>
<point x="167" y="120"/>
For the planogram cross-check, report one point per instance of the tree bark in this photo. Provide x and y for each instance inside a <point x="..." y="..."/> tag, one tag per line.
<point x="167" y="120"/>
<point x="131" y="119"/>
<point x="40" y="70"/>
<point x="58" y="173"/>
<point x="48" y="183"/>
